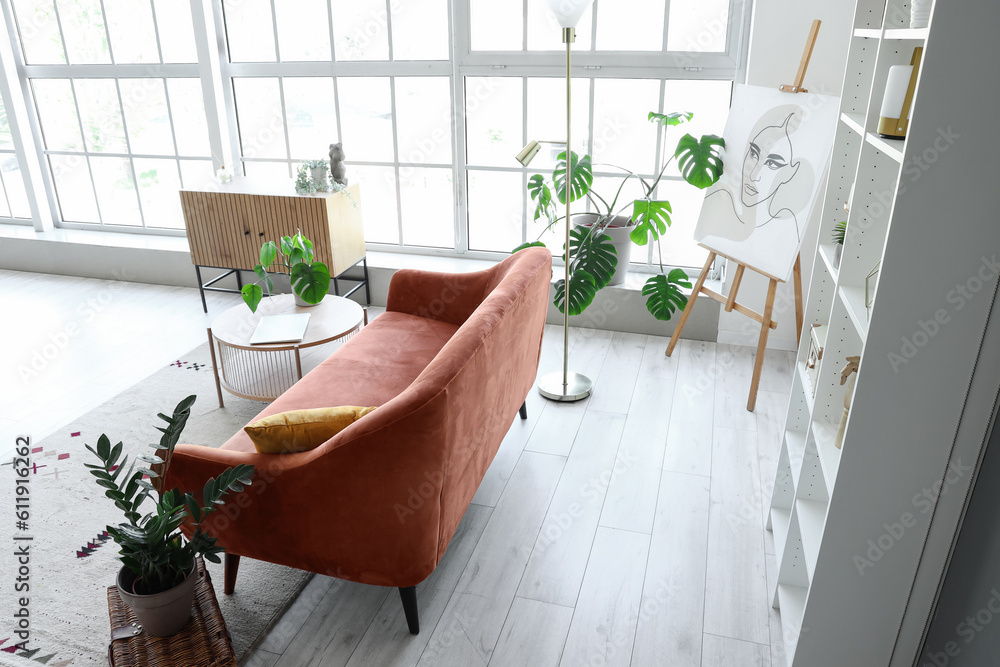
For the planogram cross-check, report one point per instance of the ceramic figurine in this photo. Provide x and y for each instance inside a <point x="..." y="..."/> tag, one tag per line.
<point x="338" y="170"/>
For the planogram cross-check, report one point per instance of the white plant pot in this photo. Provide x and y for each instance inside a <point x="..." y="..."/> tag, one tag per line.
<point x="837" y="254"/>
<point x="302" y="303"/>
<point x="619" y="230"/>
<point x="161" y="614"/>
<point x="318" y="174"/>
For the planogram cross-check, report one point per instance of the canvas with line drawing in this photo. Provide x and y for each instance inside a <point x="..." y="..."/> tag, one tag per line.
<point x="777" y="147"/>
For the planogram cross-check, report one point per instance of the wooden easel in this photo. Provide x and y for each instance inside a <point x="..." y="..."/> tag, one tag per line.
<point x="766" y="320"/>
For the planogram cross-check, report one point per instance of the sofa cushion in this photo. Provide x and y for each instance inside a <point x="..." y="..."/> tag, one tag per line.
<point x="301" y="430"/>
<point x="370" y="369"/>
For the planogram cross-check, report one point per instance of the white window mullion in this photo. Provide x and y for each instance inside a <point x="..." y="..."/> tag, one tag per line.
<point x="460" y="48"/>
<point x="334" y="66"/>
<point x="83" y="154"/>
<point x="107" y="34"/>
<point x="395" y="154"/>
<point x="25" y="131"/>
<point x="216" y="85"/>
<point x="128" y="147"/>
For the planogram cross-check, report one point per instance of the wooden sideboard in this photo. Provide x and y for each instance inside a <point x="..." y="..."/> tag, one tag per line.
<point x="226" y="225"/>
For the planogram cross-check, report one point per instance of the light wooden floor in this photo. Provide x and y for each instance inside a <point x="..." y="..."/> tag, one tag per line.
<point x="627" y="529"/>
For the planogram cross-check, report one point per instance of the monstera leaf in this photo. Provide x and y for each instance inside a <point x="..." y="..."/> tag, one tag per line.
<point x="593" y="253"/>
<point x="653" y="218"/>
<point x="700" y="162"/>
<point x="583" y="177"/>
<point x="542" y="195"/>
<point x="593" y="266"/>
<point x="582" y="291"/>
<point x="310" y="281"/>
<point x="675" y="118"/>
<point x="665" y="295"/>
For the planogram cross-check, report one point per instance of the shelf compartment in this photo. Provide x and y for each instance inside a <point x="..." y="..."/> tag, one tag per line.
<point x="795" y="441"/>
<point x="792" y="603"/>
<point x="779" y="527"/>
<point x="807" y="392"/>
<point x="811" y="483"/>
<point x="891" y="147"/>
<point x="825" y="435"/>
<point x="783" y="492"/>
<point x="828" y="251"/>
<point x="811" y="516"/>
<point x="868" y="33"/>
<point x="854" y="301"/>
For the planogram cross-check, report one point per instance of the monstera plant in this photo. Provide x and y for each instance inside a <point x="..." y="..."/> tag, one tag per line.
<point x="594" y="258"/>
<point x="310" y="280"/>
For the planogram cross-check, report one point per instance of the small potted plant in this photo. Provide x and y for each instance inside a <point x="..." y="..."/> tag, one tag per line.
<point x="158" y="571"/>
<point x="310" y="279"/>
<point x="318" y="170"/>
<point x="598" y="260"/>
<point x="304" y="184"/>
<point x="839" y="232"/>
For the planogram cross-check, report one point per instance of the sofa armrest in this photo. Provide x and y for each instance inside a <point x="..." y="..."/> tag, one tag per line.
<point x="447" y="297"/>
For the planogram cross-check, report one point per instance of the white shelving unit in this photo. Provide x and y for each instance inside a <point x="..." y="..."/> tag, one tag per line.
<point x="830" y="505"/>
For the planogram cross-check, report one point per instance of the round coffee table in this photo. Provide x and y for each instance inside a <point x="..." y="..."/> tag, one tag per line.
<point x="264" y="372"/>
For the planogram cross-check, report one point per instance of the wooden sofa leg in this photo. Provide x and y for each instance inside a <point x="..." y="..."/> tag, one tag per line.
<point x="409" y="597"/>
<point x="524" y="410"/>
<point x="232" y="566"/>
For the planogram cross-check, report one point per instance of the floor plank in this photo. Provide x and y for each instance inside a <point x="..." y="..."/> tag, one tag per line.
<point x="606" y="614"/>
<point x="736" y="601"/>
<point x="534" y="634"/>
<point x="388" y="641"/>
<point x="557" y="428"/>
<point x="689" y="438"/>
<point x="559" y="557"/>
<point x="472" y="621"/>
<point x="726" y="652"/>
<point x="613" y="387"/>
<point x="734" y="368"/>
<point x="673" y="599"/>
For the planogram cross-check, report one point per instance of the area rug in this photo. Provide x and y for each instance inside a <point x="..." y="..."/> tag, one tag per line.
<point x="72" y="562"/>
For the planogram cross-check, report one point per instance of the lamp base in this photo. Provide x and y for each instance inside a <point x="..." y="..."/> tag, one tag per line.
<point x="577" y="387"/>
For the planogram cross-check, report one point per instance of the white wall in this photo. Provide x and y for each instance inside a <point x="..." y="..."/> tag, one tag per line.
<point x="777" y="37"/>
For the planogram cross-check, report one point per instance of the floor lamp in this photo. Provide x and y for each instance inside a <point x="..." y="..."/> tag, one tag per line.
<point x="564" y="386"/>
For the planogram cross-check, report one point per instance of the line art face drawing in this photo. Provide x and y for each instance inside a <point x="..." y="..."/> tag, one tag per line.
<point x="757" y="213"/>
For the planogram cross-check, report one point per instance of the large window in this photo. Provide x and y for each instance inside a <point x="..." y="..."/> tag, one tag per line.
<point x="430" y="98"/>
<point x="119" y="104"/>
<point x="14" y="202"/>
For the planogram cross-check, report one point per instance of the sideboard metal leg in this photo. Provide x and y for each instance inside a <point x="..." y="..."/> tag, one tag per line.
<point x="368" y="288"/>
<point x="201" y="287"/>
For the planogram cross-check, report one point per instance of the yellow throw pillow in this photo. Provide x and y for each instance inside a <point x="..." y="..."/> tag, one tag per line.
<point x="301" y="430"/>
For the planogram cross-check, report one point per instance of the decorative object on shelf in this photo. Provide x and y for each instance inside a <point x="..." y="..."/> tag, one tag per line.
<point x="748" y="202"/>
<point x="920" y="13"/>
<point x="871" y="284"/>
<point x="223" y="175"/>
<point x="338" y="170"/>
<point x="899" y="90"/>
<point x="310" y="280"/>
<point x="817" y="341"/>
<point x="848" y="377"/>
<point x="318" y="173"/>
<point x="157" y="577"/>
<point x="304" y="184"/>
<point x="839" y="233"/>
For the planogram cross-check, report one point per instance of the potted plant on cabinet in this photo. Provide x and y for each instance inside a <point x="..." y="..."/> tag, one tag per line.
<point x="597" y="261"/>
<point x="310" y="280"/>
<point x="158" y="571"/>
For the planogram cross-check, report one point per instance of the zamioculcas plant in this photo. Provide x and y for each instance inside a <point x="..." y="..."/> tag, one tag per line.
<point x="594" y="258"/>
<point x="151" y="545"/>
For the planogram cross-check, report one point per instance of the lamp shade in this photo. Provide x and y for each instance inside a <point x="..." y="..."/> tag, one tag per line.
<point x="568" y="12"/>
<point x="529" y="152"/>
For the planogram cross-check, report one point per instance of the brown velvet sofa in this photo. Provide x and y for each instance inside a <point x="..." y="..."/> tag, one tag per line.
<point x="448" y="365"/>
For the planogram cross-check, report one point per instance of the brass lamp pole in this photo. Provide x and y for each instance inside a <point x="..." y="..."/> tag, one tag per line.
<point x="565" y="386"/>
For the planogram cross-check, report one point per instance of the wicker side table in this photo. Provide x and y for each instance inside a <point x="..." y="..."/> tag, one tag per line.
<point x="204" y="641"/>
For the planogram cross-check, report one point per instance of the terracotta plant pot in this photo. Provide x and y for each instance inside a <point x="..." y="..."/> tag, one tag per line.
<point x="160" y="614"/>
<point x="619" y="230"/>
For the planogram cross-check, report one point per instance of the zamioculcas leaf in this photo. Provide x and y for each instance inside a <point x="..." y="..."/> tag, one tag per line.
<point x="664" y="295"/>
<point x="581" y="292"/>
<point x="311" y="281"/>
<point x="583" y="177"/>
<point x="675" y="118"/>
<point x="700" y="162"/>
<point x="653" y="218"/>
<point x="594" y="254"/>
<point x="531" y="244"/>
